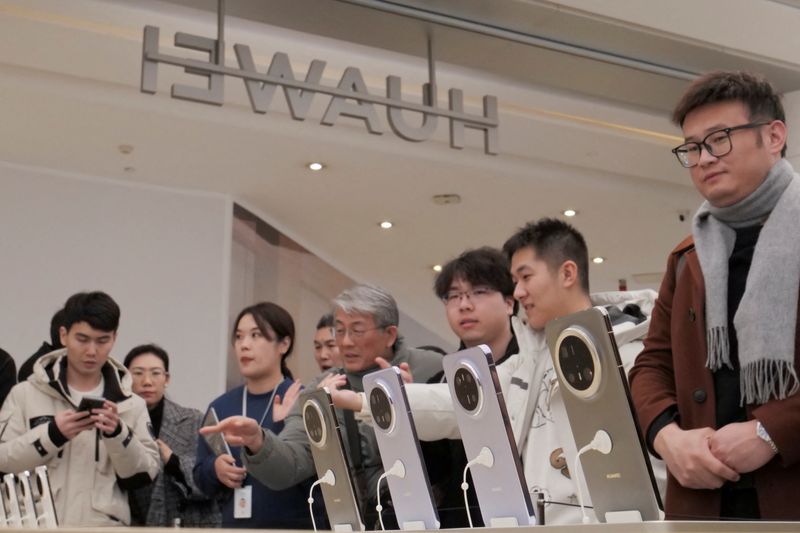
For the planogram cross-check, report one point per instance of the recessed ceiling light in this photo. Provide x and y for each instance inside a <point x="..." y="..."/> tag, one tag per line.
<point x="316" y="166"/>
<point x="597" y="260"/>
<point x="570" y="212"/>
<point x="437" y="268"/>
<point x="386" y="224"/>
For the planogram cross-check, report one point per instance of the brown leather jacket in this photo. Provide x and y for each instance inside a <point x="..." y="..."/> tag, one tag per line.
<point x="671" y="371"/>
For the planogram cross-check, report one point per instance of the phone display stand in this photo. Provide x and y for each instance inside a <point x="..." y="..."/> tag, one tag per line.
<point x="45" y="506"/>
<point x="13" y="512"/>
<point x="25" y="497"/>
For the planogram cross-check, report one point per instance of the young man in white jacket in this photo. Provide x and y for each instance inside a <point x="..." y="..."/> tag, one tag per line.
<point x="549" y="265"/>
<point x="94" y="456"/>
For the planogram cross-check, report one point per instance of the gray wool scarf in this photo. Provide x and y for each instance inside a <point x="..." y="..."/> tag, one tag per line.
<point x="766" y="319"/>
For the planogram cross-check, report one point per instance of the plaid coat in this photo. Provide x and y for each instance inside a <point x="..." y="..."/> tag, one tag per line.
<point x="168" y="497"/>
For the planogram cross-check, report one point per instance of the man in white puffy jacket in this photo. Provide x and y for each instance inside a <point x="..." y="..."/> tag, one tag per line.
<point x="549" y="264"/>
<point x="92" y="456"/>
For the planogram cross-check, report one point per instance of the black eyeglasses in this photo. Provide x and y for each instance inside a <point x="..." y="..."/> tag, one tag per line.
<point x="717" y="143"/>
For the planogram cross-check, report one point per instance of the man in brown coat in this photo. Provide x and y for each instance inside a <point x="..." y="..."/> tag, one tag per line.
<point x="716" y="386"/>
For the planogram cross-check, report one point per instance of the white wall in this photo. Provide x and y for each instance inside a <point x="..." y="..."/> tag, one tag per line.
<point x="162" y="254"/>
<point x="791" y="104"/>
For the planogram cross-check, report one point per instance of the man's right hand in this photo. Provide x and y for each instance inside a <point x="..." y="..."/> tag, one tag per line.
<point x="405" y="370"/>
<point x="341" y="398"/>
<point x="70" y="422"/>
<point x="227" y="472"/>
<point x="689" y="458"/>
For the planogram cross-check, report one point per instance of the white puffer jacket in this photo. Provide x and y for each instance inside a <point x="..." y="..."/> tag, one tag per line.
<point x="88" y="474"/>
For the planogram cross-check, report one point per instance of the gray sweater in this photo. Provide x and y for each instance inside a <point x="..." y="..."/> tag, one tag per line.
<point x="285" y="459"/>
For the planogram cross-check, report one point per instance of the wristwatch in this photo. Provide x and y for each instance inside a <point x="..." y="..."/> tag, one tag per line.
<point x="762" y="434"/>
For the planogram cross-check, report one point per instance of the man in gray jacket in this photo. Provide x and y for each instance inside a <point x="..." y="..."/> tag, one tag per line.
<point x="92" y="455"/>
<point x="366" y="320"/>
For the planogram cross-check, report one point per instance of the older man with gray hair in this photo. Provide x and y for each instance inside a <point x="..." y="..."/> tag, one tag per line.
<point x="366" y="322"/>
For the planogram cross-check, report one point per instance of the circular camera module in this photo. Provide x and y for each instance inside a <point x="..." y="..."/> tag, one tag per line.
<point x="578" y="363"/>
<point x="314" y="422"/>
<point x="382" y="408"/>
<point x="468" y="389"/>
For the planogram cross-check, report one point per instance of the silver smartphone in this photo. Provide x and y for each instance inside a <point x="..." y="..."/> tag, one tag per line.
<point x="13" y="512"/>
<point x="397" y="441"/>
<point x="327" y="449"/>
<point x="45" y="504"/>
<point x="216" y="441"/>
<point x="26" y="500"/>
<point x="596" y="396"/>
<point x="3" y="515"/>
<point x="483" y="422"/>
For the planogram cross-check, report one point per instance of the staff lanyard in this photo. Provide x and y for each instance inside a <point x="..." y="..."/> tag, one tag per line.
<point x="269" y="403"/>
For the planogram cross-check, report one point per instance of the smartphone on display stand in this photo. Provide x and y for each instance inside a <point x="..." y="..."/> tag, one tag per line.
<point x="483" y="422"/>
<point x="45" y="504"/>
<point x="26" y="500"/>
<point x="597" y="398"/>
<point x="13" y="512"/>
<point x="327" y="449"/>
<point x="397" y="441"/>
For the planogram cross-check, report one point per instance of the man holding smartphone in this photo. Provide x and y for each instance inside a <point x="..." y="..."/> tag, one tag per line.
<point x="77" y="415"/>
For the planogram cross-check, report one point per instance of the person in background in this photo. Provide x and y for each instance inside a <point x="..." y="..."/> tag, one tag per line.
<point x="55" y="343"/>
<point x="8" y="374"/>
<point x="326" y="352"/>
<point x="477" y="292"/>
<point x="263" y="337"/>
<point x="173" y="498"/>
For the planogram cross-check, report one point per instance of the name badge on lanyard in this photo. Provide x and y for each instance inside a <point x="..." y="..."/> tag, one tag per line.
<point x="243" y="496"/>
<point x="243" y="502"/>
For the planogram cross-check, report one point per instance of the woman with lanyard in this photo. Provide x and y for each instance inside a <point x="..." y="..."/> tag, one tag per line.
<point x="263" y="337"/>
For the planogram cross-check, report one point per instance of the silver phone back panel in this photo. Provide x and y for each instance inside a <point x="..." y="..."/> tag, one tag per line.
<point x="327" y="449"/>
<point x="397" y="440"/>
<point x="13" y="511"/>
<point x="483" y="421"/>
<point x="45" y="505"/>
<point x="596" y="396"/>
<point x="26" y="500"/>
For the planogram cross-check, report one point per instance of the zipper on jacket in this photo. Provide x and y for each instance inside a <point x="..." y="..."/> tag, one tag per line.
<point x="97" y="446"/>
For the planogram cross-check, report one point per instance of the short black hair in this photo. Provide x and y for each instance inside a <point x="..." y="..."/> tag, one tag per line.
<point x="482" y="266"/>
<point x="326" y="321"/>
<point x="752" y="90"/>
<point x="95" y="308"/>
<point x="142" y="349"/>
<point x="554" y="242"/>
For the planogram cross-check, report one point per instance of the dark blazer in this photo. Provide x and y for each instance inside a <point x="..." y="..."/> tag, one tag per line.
<point x="169" y="497"/>
<point x="671" y="371"/>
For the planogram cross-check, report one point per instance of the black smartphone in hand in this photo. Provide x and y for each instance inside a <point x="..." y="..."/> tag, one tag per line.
<point x="91" y="402"/>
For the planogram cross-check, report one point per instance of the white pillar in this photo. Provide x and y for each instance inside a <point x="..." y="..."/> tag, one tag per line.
<point x="791" y="104"/>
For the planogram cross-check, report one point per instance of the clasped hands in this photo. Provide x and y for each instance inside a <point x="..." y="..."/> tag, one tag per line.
<point x="705" y="459"/>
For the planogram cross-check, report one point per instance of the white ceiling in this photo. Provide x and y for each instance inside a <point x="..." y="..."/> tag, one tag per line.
<point x="69" y="95"/>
